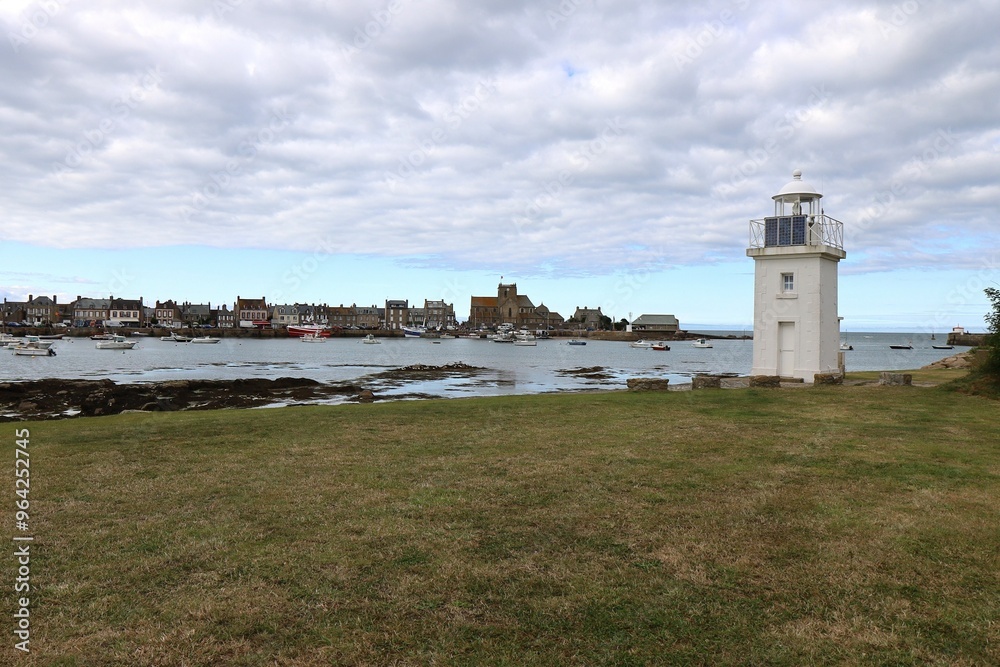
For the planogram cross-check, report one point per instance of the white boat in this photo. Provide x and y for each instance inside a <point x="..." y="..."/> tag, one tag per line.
<point x="116" y="343"/>
<point x="33" y="351"/>
<point x="7" y="340"/>
<point x="640" y="344"/>
<point x="525" y="341"/>
<point x="312" y="338"/>
<point x="205" y="340"/>
<point x="701" y="342"/>
<point x="176" y="338"/>
<point x="845" y="347"/>
<point x="576" y="342"/>
<point x="445" y="336"/>
<point x="661" y="346"/>
<point x="505" y="336"/>
<point x="35" y="341"/>
<point x="370" y="339"/>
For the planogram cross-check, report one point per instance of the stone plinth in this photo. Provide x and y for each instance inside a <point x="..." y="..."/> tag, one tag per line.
<point x="647" y="384"/>
<point x="895" y="379"/>
<point x="765" y="381"/>
<point x="707" y="382"/>
<point x="828" y="378"/>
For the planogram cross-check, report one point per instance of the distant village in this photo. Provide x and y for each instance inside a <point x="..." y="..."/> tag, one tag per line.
<point x="485" y="312"/>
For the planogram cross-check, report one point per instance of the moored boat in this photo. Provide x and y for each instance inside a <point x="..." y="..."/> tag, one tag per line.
<point x="205" y="340"/>
<point x="701" y="342"/>
<point x="33" y="351"/>
<point x="299" y="330"/>
<point x="414" y="332"/>
<point x="312" y="338"/>
<point x="943" y="347"/>
<point x="116" y="343"/>
<point x="576" y="341"/>
<point x="35" y="341"/>
<point x="642" y="344"/>
<point x="176" y="338"/>
<point x="370" y="339"/>
<point x="908" y="346"/>
<point x="660" y="347"/>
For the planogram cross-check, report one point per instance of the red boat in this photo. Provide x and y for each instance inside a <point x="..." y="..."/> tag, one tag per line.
<point x="662" y="347"/>
<point x="298" y="331"/>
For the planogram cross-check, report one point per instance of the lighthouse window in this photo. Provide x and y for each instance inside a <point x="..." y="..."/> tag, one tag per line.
<point x="787" y="282"/>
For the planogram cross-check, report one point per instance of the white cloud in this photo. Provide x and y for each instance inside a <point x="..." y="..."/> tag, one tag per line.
<point x="479" y="133"/>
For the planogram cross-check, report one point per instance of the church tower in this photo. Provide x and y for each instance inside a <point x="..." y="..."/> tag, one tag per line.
<point x="796" y="328"/>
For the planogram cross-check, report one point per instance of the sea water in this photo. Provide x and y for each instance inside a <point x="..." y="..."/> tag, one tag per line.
<point x="504" y="368"/>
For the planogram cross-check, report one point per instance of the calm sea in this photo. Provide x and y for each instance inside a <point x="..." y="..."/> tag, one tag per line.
<point x="508" y="369"/>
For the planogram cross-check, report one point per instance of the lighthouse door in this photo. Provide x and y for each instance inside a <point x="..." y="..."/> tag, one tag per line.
<point x="786" y="349"/>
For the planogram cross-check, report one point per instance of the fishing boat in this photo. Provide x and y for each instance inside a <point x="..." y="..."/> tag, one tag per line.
<point x="370" y="339"/>
<point x="642" y="344"/>
<point x="7" y="340"/>
<point x="116" y="343"/>
<point x="414" y="332"/>
<point x="176" y="338"/>
<point x="525" y="341"/>
<point x="576" y="341"/>
<point x="701" y="342"/>
<point x="660" y="347"/>
<point x="845" y="347"/>
<point x="312" y="338"/>
<point x="299" y="330"/>
<point x="205" y="340"/>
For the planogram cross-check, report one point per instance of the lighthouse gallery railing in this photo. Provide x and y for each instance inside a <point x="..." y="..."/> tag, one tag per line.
<point x="796" y="230"/>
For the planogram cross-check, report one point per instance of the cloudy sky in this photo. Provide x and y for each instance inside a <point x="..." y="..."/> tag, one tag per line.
<point x="596" y="152"/>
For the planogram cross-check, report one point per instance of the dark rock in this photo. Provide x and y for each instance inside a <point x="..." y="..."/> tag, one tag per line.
<point x="366" y="396"/>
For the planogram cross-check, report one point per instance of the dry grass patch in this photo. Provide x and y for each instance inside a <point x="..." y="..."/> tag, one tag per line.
<point x="734" y="527"/>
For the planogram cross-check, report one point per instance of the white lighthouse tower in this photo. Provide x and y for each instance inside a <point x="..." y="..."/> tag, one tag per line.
<point x="796" y="330"/>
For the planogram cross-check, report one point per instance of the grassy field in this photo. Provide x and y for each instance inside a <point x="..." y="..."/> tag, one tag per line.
<point x="839" y="526"/>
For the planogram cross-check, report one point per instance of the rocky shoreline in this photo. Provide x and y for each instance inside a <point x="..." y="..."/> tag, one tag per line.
<point x="60" y="399"/>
